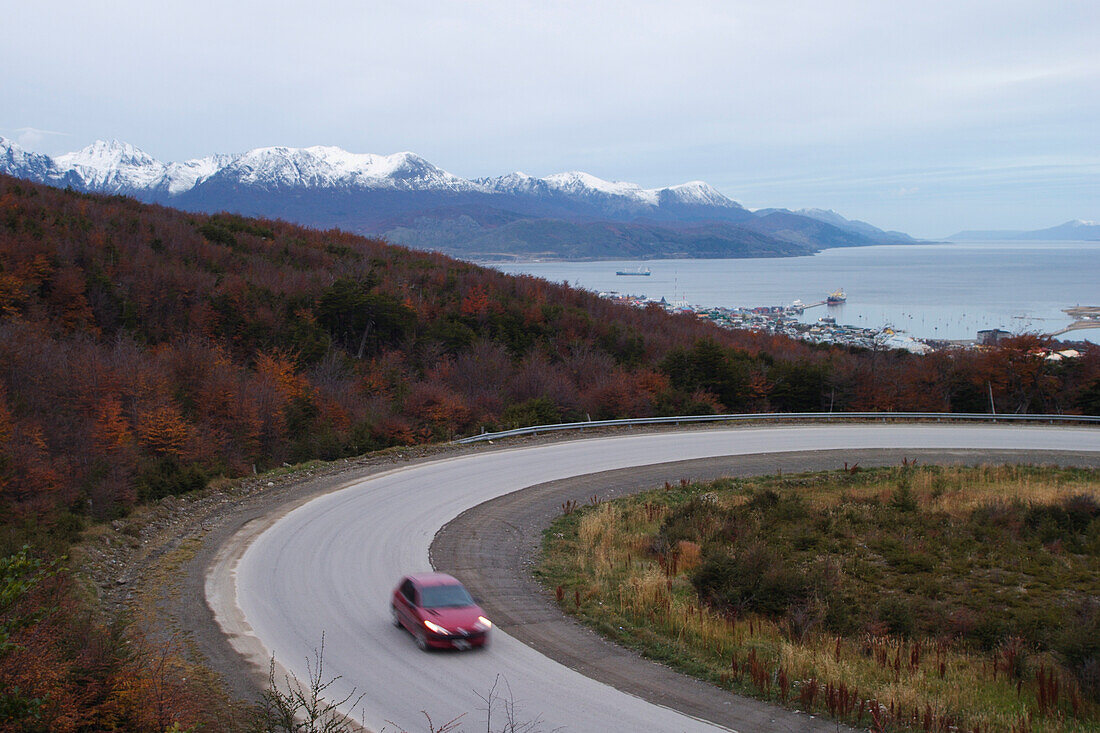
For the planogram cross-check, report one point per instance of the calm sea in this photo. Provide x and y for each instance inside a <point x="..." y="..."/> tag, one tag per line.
<point x="947" y="291"/>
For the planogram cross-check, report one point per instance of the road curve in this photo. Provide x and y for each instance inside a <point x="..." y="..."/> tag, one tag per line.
<point x="329" y="565"/>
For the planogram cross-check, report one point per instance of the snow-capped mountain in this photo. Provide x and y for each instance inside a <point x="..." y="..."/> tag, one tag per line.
<point x="117" y="167"/>
<point x="322" y="167"/>
<point x="405" y="198"/>
<point x="113" y="167"/>
<point x="696" y="193"/>
<point x="578" y="185"/>
<point x="15" y="161"/>
<point x="182" y="177"/>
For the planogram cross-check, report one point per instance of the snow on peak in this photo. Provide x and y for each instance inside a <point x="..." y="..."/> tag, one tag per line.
<point x="13" y="152"/>
<point x="324" y="166"/>
<point x="180" y="177"/>
<point x="104" y="154"/>
<point x="515" y="178"/>
<point x="579" y="182"/>
<point x="18" y="161"/>
<point x="113" y="166"/>
<point x="696" y="192"/>
<point x="826" y="215"/>
<point x="516" y="182"/>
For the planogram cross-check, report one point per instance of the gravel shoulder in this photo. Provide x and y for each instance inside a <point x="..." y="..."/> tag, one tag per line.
<point x="153" y="565"/>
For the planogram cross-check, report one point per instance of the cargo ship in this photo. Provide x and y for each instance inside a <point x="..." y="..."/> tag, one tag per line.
<point x="836" y="297"/>
<point x="639" y="271"/>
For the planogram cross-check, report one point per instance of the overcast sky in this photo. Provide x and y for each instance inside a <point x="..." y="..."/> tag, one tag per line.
<point x="928" y="116"/>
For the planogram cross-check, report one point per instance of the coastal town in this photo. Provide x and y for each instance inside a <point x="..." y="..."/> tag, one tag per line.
<point x="786" y="320"/>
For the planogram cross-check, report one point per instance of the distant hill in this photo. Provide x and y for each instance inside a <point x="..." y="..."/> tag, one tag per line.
<point x="1076" y="230"/>
<point x="404" y="198"/>
<point x="873" y="233"/>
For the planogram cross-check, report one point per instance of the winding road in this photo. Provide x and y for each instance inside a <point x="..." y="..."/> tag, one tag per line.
<point x="329" y="565"/>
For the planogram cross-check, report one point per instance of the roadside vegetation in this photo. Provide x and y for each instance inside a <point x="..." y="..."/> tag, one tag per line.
<point x="914" y="597"/>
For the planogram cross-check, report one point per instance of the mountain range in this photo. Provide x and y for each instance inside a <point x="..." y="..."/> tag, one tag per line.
<point x="407" y="200"/>
<point x="1076" y="230"/>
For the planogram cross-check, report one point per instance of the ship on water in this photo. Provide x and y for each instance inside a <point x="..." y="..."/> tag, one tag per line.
<point x="836" y="297"/>
<point x="637" y="271"/>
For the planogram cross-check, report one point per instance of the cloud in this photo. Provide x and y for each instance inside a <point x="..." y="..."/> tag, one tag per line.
<point x="33" y="138"/>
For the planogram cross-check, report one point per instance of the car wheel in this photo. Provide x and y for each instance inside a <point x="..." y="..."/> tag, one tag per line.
<point x="421" y="641"/>
<point x="395" y="617"/>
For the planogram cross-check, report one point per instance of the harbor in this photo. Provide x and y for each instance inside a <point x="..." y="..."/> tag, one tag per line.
<point x="942" y="293"/>
<point x="787" y="320"/>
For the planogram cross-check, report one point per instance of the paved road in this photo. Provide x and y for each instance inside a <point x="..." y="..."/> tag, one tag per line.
<point x="329" y="565"/>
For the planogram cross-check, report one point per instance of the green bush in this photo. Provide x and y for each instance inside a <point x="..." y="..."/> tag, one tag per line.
<point x="896" y="615"/>
<point x="696" y="520"/>
<point x="535" y="411"/>
<point x="752" y="580"/>
<point x="167" y="477"/>
<point x="1079" y="645"/>
<point x="217" y="234"/>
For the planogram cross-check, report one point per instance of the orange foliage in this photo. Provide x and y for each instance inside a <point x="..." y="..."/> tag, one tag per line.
<point x="88" y="679"/>
<point x="164" y="431"/>
<point x="68" y="299"/>
<point x="280" y="369"/>
<point x="651" y="383"/>
<point x="13" y="291"/>
<point x="759" y="387"/>
<point x="438" y="406"/>
<point x="475" y="302"/>
<point x="111" y="431"/>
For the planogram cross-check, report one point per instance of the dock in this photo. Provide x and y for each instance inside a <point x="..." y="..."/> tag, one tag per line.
<point x="1088" y="316"/>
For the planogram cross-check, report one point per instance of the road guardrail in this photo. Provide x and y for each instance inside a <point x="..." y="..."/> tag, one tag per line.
<point x="781" y="417"/>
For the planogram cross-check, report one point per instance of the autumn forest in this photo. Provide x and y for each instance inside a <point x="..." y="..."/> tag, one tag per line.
<point x="145" y="349"/>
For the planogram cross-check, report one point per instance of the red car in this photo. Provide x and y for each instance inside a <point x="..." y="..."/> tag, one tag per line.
<point x="439" y="612"/>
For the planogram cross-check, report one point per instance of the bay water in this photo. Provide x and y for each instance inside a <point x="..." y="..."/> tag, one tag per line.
<point x="934" y="291"/>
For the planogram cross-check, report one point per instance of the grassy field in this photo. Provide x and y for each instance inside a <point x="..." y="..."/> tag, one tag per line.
<point x="912" y="597"/>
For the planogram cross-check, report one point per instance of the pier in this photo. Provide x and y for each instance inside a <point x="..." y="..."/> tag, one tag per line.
<point x="1088" y="316"/>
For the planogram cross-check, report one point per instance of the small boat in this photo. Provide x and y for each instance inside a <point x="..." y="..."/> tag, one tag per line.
<point x="836" y="297"/>
<point x="638" y="271"/>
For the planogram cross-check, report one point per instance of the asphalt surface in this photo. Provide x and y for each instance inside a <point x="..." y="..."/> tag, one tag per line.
<point x="329" y="565"/>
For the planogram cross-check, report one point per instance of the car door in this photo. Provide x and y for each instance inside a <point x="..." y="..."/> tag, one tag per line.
<point x="406" y="604"/>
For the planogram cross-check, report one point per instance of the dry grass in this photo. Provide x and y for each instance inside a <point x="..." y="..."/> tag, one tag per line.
<point x="645" y="599"/>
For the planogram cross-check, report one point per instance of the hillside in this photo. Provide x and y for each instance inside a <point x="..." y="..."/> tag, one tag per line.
<point x="554" y="238"/>
<point x="146" y="349"/>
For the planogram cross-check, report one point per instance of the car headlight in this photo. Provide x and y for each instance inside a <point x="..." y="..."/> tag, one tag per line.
<point x="484" y="623"/>
<point x="436" y="628"/>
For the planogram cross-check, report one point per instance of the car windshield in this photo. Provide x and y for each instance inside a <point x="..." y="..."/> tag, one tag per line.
<point x="444" y="596"/>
